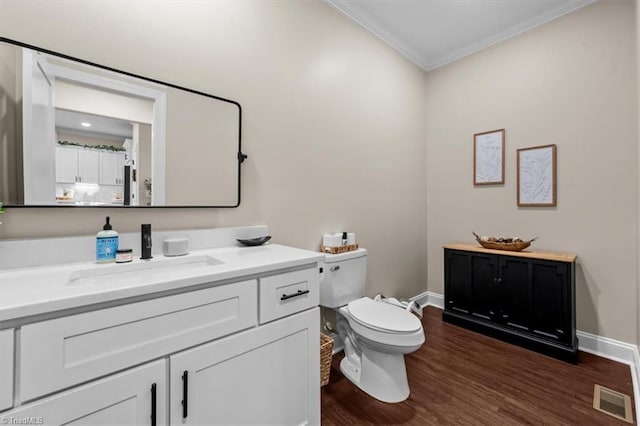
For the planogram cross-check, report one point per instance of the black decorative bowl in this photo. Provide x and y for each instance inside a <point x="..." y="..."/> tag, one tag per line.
<point x="255" y="241"/>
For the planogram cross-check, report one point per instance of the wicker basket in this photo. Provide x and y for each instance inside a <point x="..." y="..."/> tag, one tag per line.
<point x="513" y="246"/>
<point x="326" y="353"/>
<point x="341" y="249"/>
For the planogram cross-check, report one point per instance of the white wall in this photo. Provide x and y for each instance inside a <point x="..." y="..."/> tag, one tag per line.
<point x="75" y="97"/>
<point x="333" y="119"/>
<point x="571" y="82"/>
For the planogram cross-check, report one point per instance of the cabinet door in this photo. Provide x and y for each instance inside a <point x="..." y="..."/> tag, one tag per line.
<point x="135" y="397"/>
<point x="514" y="286"/>
<point x="112" y="168"/>
<point x="484" y="284"/>
<point x="550" y="301"/>
<point x="457" y="281"/>
<point x="269" y="375"/>
<point x="89" y="166"/>
<point x="66" y="165"/>
<point x="120" y="168"/>
<point x="6" y="369"/>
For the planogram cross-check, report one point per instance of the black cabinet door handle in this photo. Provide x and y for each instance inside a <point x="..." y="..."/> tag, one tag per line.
<point x="296" y="294"/>
<point x="185" y="393"/>
<point x="153" y="404"/>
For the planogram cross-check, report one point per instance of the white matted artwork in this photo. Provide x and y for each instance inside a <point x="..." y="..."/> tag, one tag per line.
<point x="537" y="176"/>
<point x="488" y="157"/>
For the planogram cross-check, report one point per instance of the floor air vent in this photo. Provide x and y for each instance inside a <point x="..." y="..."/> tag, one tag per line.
<point x="614" y="403"/>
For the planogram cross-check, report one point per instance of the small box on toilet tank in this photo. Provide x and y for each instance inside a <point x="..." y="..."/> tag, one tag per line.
<point x="174" y="246"/>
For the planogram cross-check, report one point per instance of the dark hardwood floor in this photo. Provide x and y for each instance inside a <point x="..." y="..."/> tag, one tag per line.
<point x="462" y="377"/>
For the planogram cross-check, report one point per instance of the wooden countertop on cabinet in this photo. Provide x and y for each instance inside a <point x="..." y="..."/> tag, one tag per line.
<point x="532" y="254"/>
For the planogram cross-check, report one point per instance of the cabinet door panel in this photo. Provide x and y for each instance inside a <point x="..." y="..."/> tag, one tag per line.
<point x="108" y="168"/>
<point x="6" y="369"/>
<point x="549" y="298"/>
<point x="457" y="281"/>
<point x="484" y="273"/>
<point x="123" y="399"/>
<point x="269" y="376"/>
<point x="514" y="292"/>
<point x="112" y="168"/>
<point x="89" y="166"/>
<point x="66" y="165"/>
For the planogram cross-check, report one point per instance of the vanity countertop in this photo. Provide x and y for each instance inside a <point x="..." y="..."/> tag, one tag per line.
<point x="40" y="290"/>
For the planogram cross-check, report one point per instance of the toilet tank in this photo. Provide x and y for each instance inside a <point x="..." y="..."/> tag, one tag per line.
<point x="344" y="278"/>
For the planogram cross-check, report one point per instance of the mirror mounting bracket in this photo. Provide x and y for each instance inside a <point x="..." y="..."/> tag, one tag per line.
<point x="242" y="157"/>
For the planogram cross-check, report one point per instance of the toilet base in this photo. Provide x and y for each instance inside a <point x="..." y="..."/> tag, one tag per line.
<point x="381" y="375"/>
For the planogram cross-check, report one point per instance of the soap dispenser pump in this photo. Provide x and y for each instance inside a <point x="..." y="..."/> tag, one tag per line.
<point x="106" y="244"/>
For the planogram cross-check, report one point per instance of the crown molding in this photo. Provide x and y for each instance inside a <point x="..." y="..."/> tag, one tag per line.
<point x="346" y="8"/>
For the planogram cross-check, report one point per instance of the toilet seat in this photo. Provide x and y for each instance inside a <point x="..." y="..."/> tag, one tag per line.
<point x="409" y="340"/>
<point x="383" y="317"/>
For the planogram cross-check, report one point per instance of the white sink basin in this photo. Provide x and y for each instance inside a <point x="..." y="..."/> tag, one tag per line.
<point x="141" y="271"/>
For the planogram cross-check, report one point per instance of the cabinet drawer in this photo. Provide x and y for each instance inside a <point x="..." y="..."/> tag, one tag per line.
<point x="288" y="293"/>
<point x="6" y="369"/>
<point x="62" y="352"/>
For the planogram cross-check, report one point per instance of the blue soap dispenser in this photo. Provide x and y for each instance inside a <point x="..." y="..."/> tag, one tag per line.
<point x="106" y="244"/>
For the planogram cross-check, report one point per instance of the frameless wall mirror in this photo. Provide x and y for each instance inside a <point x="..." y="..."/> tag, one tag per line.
<point x="74" y="133"/>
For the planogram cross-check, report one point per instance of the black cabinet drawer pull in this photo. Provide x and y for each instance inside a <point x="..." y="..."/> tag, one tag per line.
<point x="185" y="395"/>
<point x="296" y="294"/>
<point x="153" y="404"/>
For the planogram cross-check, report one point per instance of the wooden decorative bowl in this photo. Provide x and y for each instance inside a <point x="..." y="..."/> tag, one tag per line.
<point x="519" y="246"/>
<point x="512" y="246"/>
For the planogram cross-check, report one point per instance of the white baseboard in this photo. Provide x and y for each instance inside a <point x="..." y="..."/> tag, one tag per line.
<point x="635" y="378"/>
<point x="429" y="298"/>
<point x="604" y="347"/>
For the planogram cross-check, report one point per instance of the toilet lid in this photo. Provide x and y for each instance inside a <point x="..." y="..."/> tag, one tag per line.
<point x="383" y="316"/>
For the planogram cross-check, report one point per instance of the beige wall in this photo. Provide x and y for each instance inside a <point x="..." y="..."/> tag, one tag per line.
<point x="571" y="82"/>
<point x="202" y="148"/>
<point x="333" y="119"/>
<point x="638" y="172"/>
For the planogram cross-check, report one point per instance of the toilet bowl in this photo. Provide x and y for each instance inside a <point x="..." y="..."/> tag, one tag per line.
<point x="375" y="335"/>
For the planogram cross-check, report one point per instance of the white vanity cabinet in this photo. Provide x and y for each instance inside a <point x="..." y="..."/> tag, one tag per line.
<point x="6" y="369"/>
<point x="111" y="168"/>
<point x="209" y="353"/>
<point x="269" y="375"/>
<point x="77" y="165"/>
<point x="136" y="397"/>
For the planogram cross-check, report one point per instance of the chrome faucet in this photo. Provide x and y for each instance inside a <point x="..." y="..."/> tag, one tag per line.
<point x="145" y="238"/>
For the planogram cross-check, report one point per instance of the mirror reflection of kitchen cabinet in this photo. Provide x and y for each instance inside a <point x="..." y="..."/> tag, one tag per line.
<point x="77" y="165"/>
<point x="112" y="168"/>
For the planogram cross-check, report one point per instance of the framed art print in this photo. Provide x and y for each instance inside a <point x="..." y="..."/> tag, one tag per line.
<point x="488" y="157"/>
<point x="537" y="176"/>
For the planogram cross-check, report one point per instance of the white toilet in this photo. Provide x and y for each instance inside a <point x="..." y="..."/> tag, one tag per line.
<point x="375" y="335"/>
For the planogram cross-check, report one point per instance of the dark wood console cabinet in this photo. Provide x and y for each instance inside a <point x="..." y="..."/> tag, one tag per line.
<point x="525" y="298"/>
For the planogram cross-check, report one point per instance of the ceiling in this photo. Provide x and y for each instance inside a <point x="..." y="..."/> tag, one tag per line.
<point x="433" y="33"/>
